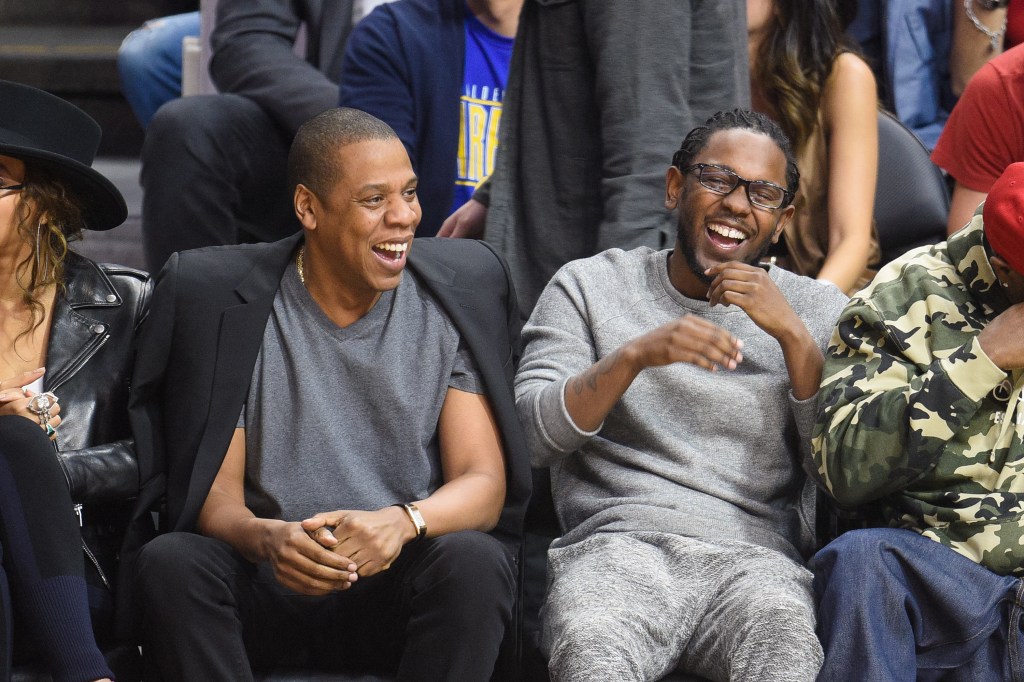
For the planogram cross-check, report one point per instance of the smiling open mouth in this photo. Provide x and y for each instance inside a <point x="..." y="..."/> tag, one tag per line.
<point x="392" y="251"/>
<point x="725" y="237"/>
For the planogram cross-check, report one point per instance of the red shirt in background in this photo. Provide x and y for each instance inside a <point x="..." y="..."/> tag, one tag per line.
<point x="1014" y="24"/>
<point x="985" y="131"/>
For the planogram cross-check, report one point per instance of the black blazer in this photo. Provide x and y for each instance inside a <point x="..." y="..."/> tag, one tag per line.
<point x="205" y="330"/>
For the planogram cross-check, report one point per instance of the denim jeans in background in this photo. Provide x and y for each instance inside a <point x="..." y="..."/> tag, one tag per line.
<point x="894" y="605"/>
<point x="149" y="61"/>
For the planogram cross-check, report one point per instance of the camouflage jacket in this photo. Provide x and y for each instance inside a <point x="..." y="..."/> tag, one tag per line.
<point x="914" y="415"/>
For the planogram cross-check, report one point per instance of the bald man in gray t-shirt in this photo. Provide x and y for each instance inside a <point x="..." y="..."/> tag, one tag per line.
<point x="365" y="508"/>
<point x="346" y="418"/>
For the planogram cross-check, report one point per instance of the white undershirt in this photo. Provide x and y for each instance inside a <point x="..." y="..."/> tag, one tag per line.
<point x="36" y="386"/>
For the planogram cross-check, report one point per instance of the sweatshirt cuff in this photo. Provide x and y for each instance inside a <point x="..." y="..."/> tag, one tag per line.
<point x="805" y="413"/>
<point x="559" y="428"/>
<point x="972" y="371"/>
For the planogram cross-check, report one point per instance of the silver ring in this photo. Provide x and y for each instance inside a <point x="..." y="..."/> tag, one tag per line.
<point x="41" y="403"/>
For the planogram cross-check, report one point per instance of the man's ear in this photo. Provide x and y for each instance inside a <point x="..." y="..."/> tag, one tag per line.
<point x="1011" y="283"/>
<point x="1004" y="273"/>
<point x="784" y="218"/>
<point x="674" y="180"/>
<point x="306" y="205"/>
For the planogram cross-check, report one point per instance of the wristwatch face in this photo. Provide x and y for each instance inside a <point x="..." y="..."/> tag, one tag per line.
<point x="417" y="519"/>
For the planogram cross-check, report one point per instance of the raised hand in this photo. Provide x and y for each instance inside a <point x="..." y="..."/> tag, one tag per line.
<point x="1002" y="340"/>
<point x="752" y="289"/>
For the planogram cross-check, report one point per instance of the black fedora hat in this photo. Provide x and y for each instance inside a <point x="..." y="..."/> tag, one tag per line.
<point x="46" y="131"/>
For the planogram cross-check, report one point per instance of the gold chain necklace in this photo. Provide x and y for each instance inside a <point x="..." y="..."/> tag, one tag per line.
<point x="298" y="266"/>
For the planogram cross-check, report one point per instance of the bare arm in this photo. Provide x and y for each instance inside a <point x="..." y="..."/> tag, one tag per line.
<point x="971" y="47"/>
<point x="962" y="206"/>
<point x="471" y="498"/>
<point x="851" y="125"/>
<point x="299" y="563"/>
<point x="473" y="463"/>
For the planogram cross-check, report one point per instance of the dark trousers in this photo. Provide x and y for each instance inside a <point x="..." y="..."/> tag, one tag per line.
<point x="42" y="569"/>
<point x="895" y="606"/>
<point x="213" y="170"/>
<point x="439" y="613"/>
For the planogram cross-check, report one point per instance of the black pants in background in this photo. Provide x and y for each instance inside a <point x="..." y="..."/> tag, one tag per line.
<point x="213" y="170"/>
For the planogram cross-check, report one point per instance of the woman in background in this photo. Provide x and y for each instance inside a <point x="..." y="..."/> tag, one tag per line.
<point x="67" y="330"/>
<point x="805" y="75"/>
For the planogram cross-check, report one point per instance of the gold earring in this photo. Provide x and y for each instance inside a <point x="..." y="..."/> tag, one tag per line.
<point x="39" y="240"/>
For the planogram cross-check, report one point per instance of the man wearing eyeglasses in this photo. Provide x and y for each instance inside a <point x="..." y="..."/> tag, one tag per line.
<point x="672" y="395"/>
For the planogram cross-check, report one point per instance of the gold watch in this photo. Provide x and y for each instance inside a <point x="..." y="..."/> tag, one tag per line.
<point x="417" y="519"/>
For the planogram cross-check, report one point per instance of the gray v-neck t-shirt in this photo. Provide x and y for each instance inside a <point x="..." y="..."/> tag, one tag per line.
<point x="346" y="418"/>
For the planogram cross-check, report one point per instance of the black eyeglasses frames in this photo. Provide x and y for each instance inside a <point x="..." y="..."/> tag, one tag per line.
<point x="723" y="181"/>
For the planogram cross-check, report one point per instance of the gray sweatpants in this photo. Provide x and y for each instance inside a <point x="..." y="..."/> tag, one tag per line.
<point x="639" y="605"/>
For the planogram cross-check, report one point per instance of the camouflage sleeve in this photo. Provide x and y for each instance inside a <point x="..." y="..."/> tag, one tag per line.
<point x="894" y="391"/>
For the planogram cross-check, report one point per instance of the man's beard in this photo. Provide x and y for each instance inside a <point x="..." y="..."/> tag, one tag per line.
<point x="688" y="239"/>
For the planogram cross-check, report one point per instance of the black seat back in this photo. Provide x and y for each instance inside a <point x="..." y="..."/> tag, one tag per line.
<point x="911" y="197"/>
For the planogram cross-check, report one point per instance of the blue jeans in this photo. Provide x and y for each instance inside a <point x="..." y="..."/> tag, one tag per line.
<point x="894" y="605"/>
<point x="149" y="61"/>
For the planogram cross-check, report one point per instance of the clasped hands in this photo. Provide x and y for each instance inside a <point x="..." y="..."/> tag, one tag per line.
<point x="330" y="551"/>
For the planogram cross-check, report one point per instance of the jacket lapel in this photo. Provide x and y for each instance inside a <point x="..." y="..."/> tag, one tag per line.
<point x="464" y="306"/>
<point x="79" y="335"/>
<point x="488" y="323"/>
<point x="239" y="339"/>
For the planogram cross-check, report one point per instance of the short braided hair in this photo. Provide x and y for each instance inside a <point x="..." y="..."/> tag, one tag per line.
<point x="697" y="139"/>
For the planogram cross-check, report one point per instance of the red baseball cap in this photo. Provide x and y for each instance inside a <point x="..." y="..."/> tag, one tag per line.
<point x="1004" y="216"/>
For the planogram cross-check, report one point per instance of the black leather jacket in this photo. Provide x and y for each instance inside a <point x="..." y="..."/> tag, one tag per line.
<point x="88" y="367"/>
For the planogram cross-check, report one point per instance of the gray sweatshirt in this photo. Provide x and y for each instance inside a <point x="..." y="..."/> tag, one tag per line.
<point x="685" y="450"/>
